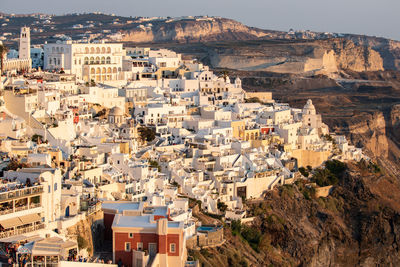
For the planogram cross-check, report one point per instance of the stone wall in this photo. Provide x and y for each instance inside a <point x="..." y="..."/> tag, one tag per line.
<point x="323" y="191"/>
<point x="308" y="157"/>
<point x="204" y="240"/>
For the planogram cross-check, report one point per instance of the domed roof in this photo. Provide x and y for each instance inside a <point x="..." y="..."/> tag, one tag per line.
<point x="309" y="105"/>
<point x="116" y="111"/>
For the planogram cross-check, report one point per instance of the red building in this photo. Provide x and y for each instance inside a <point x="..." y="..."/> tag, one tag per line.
<point x="267" y="130"/>
<point x="111" y="208"/>
<point x="140" y="240"/>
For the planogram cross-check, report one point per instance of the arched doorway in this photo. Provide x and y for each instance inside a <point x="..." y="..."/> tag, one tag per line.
<point x="67" y="212"/>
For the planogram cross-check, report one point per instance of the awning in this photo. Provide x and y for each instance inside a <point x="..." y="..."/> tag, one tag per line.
<point x="46" y="251"/>
<point x="20" y="238"/>
<point x="70" y="245"/>
<point x="27" y="219"/>
<point x="10" y="223"/>
<point x="48" y="247"/>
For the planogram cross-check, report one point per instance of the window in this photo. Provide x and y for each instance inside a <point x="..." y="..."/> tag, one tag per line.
<point x="55" y="187"/>
<point x="139" y="246"/>
<point x="130" y="234"/>
<point x="127" y="246"/>
<point x="49" y="189"/>
<point x="172" y="248"/>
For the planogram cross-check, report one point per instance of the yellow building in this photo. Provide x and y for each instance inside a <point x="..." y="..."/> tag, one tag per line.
<point x="238" y="129"/>
<point x="124" y="147"/>
<point x="251" y="134"/>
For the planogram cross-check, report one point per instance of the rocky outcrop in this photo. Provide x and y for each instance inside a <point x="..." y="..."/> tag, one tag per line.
<point x="357" y="58"/>
<point x="367" y="131"/>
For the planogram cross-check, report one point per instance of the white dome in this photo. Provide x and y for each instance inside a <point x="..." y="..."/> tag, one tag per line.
<point x="116" y="111"/>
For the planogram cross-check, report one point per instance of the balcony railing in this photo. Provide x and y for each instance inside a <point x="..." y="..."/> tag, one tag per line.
<point x="21" y="208"/>
<point x="21" y="231"/>
<point x="16" y="193"/>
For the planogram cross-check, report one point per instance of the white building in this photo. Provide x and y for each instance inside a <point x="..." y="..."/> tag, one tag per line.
<point x="88" y="61"/>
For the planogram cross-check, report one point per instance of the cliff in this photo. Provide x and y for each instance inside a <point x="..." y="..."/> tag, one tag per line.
<point x="287" y="56"/>
<point x="356" y="57"/>
<point x="195" y="30"/>
<point x="357" y="225"/>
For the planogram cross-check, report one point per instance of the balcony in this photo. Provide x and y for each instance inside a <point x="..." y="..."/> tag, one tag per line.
<point x="18" y="193"/>
<point x="21" y="208"/>
<point x="22" y="230"/>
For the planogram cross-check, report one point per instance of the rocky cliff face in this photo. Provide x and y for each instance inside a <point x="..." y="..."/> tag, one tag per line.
<point x="213" y="29"/>
<point x="357" y="225"/>
<point x="365" y="130"/>
<point x="296" y="57"/>
<point x="357" y="58"/>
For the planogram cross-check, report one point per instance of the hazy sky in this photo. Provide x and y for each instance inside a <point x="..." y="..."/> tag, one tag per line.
<point x="371" y="17"/>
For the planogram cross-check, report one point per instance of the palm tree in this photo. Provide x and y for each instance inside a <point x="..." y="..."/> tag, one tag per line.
<point x="3" y="51"/>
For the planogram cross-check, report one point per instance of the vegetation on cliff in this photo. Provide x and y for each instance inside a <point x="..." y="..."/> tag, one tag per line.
<point x="357" y="225"/>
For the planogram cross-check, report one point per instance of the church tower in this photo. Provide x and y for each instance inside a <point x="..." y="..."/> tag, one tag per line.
<point x="25" y="43"/>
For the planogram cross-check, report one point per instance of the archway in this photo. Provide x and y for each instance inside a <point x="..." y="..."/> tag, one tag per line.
<point x="67" y="212"/>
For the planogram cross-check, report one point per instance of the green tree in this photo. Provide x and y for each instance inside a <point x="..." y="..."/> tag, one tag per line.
<point x="222" y="206"/>
<point x="304" y="172"/>
<point x="146" y="134"/>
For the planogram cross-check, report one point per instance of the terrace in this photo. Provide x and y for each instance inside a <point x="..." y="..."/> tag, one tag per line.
<point x="14" y="199"/>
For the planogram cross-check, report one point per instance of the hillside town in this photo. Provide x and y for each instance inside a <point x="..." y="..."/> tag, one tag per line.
<point x="109" y="153"/>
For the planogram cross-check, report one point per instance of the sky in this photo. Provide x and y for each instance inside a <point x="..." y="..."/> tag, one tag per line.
<point x="370" y="17"/>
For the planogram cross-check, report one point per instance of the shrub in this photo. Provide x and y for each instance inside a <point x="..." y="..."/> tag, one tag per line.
<point x="334" y="169"/>
<point x="304" y="172"/>
<point x="252" y="236"/>
<point x="155" y="164"/>
<point x="82" y="242"/>
<point x="147" y="134"/>
<point x="36" y="138"/>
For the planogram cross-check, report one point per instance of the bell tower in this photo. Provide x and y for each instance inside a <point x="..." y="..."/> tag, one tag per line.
<point x="25" y="43"/>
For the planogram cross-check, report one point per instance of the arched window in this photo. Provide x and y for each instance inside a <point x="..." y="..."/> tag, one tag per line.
<point x="114" y="70"/>
<point x="50" y="61"/>
<point x="86" y="60"/>
<point x="62" y="49"/>
<point x="53" y="49"/>
<point x="97" y="60"/>
<point x="86" y="50"/>
<point x="108" y="70"/>
<point x="92" y="50"/>
<point x="103" y="60"/>
<point x="108" y="49"/>
<point x="108" y="61"/>
<point x="58" y="50"/>
<point x="97" y="50"/>
<point x="103" y="70"/>
<point x="92" y="71"/>
<point x="91" y="60"/>
<point x="103" y="50"/>
<point x="98" y="71"/>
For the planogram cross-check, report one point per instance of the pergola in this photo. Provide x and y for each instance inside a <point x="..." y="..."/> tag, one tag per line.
<point x="48" y="251"/>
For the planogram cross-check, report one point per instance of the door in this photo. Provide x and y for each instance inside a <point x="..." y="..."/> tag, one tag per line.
<point x="152" y="249"/>
<point x="67" y="212"/>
